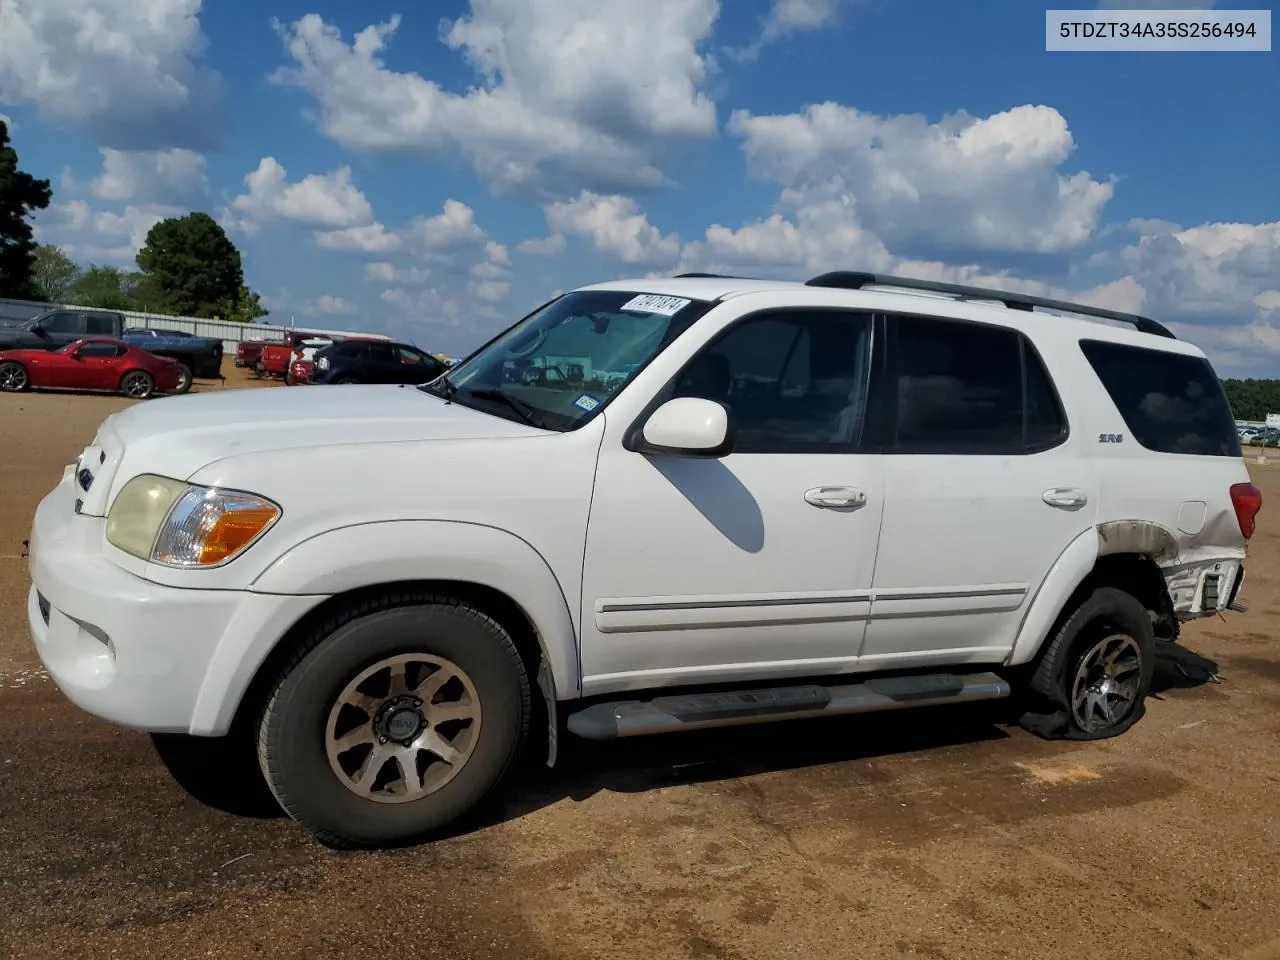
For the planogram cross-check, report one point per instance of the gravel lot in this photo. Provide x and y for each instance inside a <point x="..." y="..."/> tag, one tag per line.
<point x="938" y="835"/>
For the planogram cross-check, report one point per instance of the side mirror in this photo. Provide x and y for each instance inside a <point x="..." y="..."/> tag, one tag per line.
<point x="688" y="427"/>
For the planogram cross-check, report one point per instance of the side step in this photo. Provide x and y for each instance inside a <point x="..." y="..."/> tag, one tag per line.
<point x="633" y="718"/>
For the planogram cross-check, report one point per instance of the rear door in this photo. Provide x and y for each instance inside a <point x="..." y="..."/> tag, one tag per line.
<point x="416" y="366"/>
<point x="986" y="484"/>
<point x="383" y="364"/>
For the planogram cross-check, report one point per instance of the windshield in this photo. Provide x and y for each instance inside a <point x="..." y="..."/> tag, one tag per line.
<point x="561" y="366"/>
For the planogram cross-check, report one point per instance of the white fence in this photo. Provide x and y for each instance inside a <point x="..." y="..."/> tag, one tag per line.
<point x="230" y="332"/>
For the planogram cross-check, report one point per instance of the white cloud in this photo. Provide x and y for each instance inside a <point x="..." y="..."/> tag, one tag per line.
<point x="455" y="226"/>
<point x="318" y="199"/>
<point x="489" y="290"/>
<point x="333" y="306"/>
<point x="383" y="272"/>
<point x="572" y="89"/>
<point x="487" y="270"/>
<point x="371" y="238"/>
<point x="1155" y="4"/>
<point x="787" y="17"/>
<point x="128" y="71"/>
<point x="497" y="253"/>
<point x="100" y="236"/>
<point x="615" y="225"/>
<point x="542" y="246"/>
<point x="175" y="176"/>
<point x="963" y="183"/>
<point x="1223" y="271"/>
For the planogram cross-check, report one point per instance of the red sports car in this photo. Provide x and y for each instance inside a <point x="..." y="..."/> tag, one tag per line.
<point x="94" y="363"/>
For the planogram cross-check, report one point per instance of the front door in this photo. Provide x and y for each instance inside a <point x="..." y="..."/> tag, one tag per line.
<point x="760" y="563"/>
<point x="986" y="488"/>
<point x="100" y="365"/>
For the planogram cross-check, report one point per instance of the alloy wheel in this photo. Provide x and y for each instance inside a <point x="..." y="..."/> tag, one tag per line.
<point x="403" y="728"/>
<point x="1105" y="686"/>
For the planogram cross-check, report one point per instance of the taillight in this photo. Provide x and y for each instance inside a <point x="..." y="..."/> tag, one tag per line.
<point x="1247" y="499"/>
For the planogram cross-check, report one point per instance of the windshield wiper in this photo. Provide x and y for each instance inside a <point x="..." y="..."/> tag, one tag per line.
<point x="527" y="413"/>
<point x="441" y="387"/>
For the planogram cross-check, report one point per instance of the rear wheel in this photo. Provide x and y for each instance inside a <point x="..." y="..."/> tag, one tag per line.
<point x="1092" y="680"/>
<point x="394" y="720"/>
<point x="137" y="384"/>
<point x="13" y="377"/>
<point x="184" y="379"/>
<point x="346" y="380"/>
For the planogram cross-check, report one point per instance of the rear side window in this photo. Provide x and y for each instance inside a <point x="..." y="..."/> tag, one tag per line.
<point x="100" y="323"/>
<point x="970" y="388"/>
<point x="1171" y="403"/>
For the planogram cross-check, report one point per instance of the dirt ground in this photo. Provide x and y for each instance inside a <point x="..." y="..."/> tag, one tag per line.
<point x="935" y="835"/>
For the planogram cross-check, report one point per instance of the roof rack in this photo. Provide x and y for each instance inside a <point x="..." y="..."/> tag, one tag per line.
<point x="852" y="280"/>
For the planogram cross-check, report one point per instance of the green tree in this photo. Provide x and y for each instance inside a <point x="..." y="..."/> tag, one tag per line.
<point x="53" y="273"/>
<point x="246" y="308"/>
<point x="190" y="266"/>
<point x="1252" y="399"/>
<point x="20" y="195"/>
<point x="108" y="288"/>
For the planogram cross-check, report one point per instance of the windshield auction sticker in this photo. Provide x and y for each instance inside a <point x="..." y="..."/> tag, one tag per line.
<point x="652" y="303"/>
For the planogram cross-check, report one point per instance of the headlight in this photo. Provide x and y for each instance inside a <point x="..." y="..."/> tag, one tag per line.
<point x="322" y="363"/>
<point x="185" y="525"/>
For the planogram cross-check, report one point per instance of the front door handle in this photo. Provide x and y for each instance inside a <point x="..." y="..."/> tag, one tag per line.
<point x="835" y="497"/>
<point x="1065" y="497"/>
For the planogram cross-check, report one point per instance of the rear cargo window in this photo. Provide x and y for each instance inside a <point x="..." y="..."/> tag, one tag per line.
<point x="1171" y="403"/>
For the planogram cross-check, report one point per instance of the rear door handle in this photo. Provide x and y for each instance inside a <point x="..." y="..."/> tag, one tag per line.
<point x="1065" y="497"/>
<point x="835" y="497"/>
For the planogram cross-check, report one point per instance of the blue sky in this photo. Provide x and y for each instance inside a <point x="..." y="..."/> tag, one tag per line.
<point x="433" y="170"/>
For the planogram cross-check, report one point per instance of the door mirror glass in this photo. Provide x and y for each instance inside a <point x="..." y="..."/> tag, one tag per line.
<point x="688" y="427"/>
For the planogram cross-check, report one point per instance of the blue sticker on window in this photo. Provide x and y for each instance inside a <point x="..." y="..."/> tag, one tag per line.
<point x="587" y="402"/>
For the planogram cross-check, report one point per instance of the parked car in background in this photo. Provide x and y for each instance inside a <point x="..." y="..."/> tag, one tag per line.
<point x="249" y="352"/>
<point x="303" y="354"/>
<point x="299" y="373"/>
<point x="196" y="356"/>
<point x="275" y="358"/>
<point x="54" y="329"/>
<point x="92" y="363"/>
<point x="374" y="361"/>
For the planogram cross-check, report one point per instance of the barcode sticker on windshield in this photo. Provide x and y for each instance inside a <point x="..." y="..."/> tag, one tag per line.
<point x="652" y="303"/>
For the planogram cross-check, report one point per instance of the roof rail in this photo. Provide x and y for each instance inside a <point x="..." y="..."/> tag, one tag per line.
<point x="852" y="280"/>
<point x="705" y="276"/>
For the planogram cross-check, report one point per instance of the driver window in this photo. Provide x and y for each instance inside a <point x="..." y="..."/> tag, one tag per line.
<point x="792" y="382"/>
<point x="100" y="350"/>
<point x="409" y="356"/>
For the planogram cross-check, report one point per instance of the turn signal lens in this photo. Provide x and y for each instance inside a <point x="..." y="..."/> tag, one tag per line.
<point x="208" y="527"/>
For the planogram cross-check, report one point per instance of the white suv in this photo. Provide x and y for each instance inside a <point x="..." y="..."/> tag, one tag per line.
<point x="650" y="505"/>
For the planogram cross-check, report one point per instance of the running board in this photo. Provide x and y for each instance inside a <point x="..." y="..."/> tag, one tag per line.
<point x="633" y="718"/>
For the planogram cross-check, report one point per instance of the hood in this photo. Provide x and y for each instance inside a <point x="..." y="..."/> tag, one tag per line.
<point x="279" y="418"/>
<point x="177" y="436"/>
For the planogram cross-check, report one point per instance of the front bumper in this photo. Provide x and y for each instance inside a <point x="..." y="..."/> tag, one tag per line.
<point x="134" y="652"/>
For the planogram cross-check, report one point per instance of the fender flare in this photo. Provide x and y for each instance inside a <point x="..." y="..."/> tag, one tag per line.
<point x="368" y="554"/>
<point x="1067" y="573"/>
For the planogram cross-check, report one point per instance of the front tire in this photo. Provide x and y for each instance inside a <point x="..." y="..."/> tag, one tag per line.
<point x="1092" y="680"/>
<point x="393" y="720"/>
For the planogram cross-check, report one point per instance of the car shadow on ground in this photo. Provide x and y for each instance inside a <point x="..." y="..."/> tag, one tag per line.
<point x="585" y="768"/>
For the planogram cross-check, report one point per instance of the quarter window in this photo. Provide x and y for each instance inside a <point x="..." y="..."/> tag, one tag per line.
<point x="792" y="382"/>
<point x="99" y="324"/>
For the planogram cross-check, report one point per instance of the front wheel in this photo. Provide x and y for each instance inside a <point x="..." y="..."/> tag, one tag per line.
<point x="394" y="720"/>
<point x="137" y="384"/>
<point x="1092" y="680"/>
